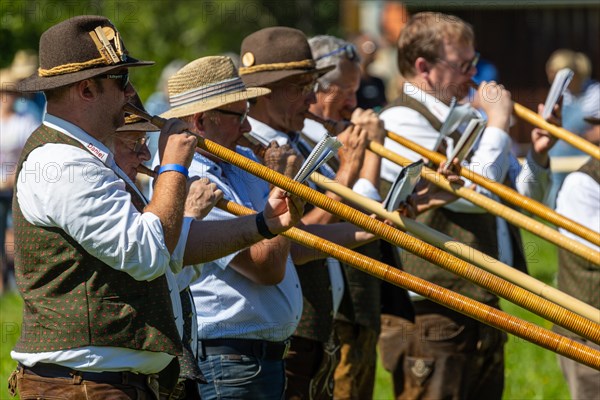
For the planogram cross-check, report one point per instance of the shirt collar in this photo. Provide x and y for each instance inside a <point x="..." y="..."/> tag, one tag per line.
<point x="94" y="146"/>
<point x="265" y="134"/>
<point x="314" y="130"/>
<point x="437" y="108"/>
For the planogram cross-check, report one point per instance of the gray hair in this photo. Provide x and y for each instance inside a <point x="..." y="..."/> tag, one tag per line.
<point x="324" y="44"/>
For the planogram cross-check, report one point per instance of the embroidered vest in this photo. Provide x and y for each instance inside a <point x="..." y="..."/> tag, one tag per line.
<point x="475" y="230"/>
<point x="73" y="299"/>
<point x="577" y="276"/>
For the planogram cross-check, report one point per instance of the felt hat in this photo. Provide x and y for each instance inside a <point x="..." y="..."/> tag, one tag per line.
<point x="76" y="49"/>
<point x="272" y="54"/>
<point x="135" y="123"/>
<point x="205" y="84"/>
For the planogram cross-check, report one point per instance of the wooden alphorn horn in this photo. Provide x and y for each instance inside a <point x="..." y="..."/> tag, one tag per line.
<point x="557" y="131"/>
<point x="505" y="192"/>
<point x="495" y="208"/>
<point x="561" y="133"/>
<point x="461" y="250"/>
<point x="500" y="287"/>
<point x="455" y="301"/>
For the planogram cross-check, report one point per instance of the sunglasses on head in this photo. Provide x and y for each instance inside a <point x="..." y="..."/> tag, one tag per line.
<point x="349" y="51"/>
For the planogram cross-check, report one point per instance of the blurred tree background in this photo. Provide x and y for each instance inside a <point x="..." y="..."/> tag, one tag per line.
<point x="163" y="31"/>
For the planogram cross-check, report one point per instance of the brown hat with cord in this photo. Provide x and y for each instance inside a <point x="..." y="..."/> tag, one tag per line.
<point x="272" y="54"/>
<point x="76" y="49"/>
<point x="133" y="123"/>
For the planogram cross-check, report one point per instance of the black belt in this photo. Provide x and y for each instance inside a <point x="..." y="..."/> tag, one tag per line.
<point x="262" y="349"/>
<point x="58" y="371"/>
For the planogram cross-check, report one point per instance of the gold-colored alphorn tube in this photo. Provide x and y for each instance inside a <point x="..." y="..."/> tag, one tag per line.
<point x="556" y="131"/>
<point x="515" y="294"/>
<point x="495" y="208"/>
<point x="561" y="133"/>
<point x="498" y="209"/>
<point x="505" y="193"/>
<point x="461" y="250"/>
<point x="472" y="308"/>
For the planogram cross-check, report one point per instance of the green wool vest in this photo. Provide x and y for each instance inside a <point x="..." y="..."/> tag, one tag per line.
<point x="475" y="230"/>
<point x="72" y="299"/>
<point x="577" y="276"/>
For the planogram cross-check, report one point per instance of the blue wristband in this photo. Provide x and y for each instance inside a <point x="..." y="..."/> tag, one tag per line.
<point x="174" y="167"/>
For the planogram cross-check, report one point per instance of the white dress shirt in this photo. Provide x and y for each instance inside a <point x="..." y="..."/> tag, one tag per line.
<point x="266" y="134"/>
<point x="579" y="200"/>
<point x="83" y="193"/>
<point x="491" y="158"/>
<point x="228" y="304"/>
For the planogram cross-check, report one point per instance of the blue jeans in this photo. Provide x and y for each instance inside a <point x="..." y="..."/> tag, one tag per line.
<point x="241" y="377"/>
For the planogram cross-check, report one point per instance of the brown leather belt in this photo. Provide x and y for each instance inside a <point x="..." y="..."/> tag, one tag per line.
<point x="58" y="371"/>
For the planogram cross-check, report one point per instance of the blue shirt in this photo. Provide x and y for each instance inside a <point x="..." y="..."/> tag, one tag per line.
<point x="228" y="304"/>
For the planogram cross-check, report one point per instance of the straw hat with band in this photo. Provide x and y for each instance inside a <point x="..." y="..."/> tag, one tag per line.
<point x="205" y="84"/>
<point x="272" y="54"/>
<point x="76" y="49"/>
<point x="23" y="65"/>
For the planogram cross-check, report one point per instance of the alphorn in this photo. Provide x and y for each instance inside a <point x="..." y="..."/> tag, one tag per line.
<point x="455" y="301"/>
<point x="559" y="132"/>
<point x="495" y="208"/>
<point x="505" y="192"/>
<point x="461" y="250"/>
<point x="488" y="204"/>
<point x="500" y="287"/>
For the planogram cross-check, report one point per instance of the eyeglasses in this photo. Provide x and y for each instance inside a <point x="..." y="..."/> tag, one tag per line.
<point x="307" y="88"/>
<point x="138" y="145"/>
<point x="124" y="79"/>
<point x="464" y="67"/>
<point x="349" y="51"/>
<point x="242" y="116"/>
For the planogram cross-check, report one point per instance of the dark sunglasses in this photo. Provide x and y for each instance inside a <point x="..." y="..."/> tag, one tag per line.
<point x="349" y="51"/>
<point x="124" y="79"/>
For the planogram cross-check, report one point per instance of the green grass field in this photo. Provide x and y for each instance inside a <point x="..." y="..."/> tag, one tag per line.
<point x="531" y="372"/>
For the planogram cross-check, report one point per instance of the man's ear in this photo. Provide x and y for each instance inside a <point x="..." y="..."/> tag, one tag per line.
<point x="88" y="89"/>
<point x="422" y="67"/>
<point x="199" y="122"/>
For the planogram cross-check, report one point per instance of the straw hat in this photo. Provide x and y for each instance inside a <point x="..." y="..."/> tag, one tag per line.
<point x="205" y="84"/>
<point x="24" y="64"/>
<point x="76" y="49"/>
<point x="272" y="54"/>
<point x="8" y="81"/>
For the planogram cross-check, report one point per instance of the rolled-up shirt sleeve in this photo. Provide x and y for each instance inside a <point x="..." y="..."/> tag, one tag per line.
<point x="89" y="202"/>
